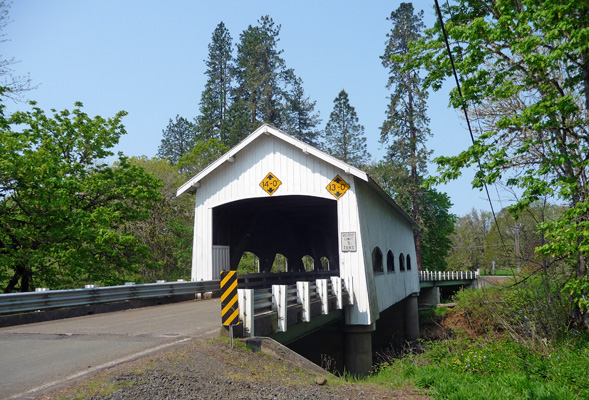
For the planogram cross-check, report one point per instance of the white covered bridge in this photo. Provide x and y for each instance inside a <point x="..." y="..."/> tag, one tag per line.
<point x="273" y="194"/>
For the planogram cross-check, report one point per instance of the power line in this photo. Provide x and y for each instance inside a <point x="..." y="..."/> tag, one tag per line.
<point x="466" y="115"/>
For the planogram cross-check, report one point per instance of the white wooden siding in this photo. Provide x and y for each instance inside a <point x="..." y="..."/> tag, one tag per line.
<point x="389" y="231"/>
<point x="361" y="210"/>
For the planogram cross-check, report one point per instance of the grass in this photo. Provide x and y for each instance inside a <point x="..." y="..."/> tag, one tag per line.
<point x="493" y="369"/>
<point x="499" y="272"/>
<point x="505" y="343"/>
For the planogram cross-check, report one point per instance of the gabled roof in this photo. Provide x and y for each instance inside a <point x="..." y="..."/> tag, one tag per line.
<point x="191" y="185"/>
<point x="266" y="129"/>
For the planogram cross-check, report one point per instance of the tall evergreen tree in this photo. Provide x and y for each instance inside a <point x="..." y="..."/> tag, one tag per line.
<point x="215" y="99"/>
<point x="405" y="129"/>
<point x="260" y="76"/>
<point x="301" y="118"/>
<point x="344" y="136"/>
<point x="178" y="138"/>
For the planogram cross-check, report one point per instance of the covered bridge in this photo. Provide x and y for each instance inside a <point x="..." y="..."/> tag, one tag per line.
<point x="275" y="194"/>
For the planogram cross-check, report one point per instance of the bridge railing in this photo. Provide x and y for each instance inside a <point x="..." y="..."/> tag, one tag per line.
<point x="49" y="299"/>
<point x="255" y="281"/>
<point x="259" y="307"/>
<point x="427" y="276"/>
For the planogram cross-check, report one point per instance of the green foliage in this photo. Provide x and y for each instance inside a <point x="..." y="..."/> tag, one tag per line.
<point x="493" y="369"/>
<point x="437" y="223"/>
<point x="216" y="98"/>
<point x="300" y="118"/>
<point x="531" y="310"/>
<point x="62" y="210"/>
<point x="248" y="264"/>
<point x="178" y="138"/>
<point x="437" y="226"/>
<point x="168" y="231"/>
<point x="523" y="65"/>
<point x="469" y="241"/>
<point x="280" y="264"/>
<point x="405" y="128"/>
<point x="202" y="154"/>
<point x="260" y="74"/>
<point x="498" y="351"/>
<point x="344" y="137"/>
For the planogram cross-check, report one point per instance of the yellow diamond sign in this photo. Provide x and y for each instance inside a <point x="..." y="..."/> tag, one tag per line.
<point x="270" y="183"/>
<point x="337" y="187"/>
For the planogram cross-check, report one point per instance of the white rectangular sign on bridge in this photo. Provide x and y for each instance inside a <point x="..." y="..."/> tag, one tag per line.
<point x="349" y="241"/>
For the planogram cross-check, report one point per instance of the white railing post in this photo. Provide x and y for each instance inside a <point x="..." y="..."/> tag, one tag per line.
<point x="279" y="305"/>
<point x="323" y="295"/>
<point x="350" y="288"/>
<point x="304" y="299"/>
<point x="336" y="283"/>
<point x="245" y="299"/>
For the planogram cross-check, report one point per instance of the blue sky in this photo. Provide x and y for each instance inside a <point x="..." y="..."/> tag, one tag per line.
<point x="147" y="58"/>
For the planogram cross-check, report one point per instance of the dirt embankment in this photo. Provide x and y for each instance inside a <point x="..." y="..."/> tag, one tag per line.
<point x="213" y="370"/>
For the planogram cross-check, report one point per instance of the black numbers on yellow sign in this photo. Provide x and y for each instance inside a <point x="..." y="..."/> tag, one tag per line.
<point x="334" y="187"/>
<point x="337" y="187"/>
<point x="270" y="184"/>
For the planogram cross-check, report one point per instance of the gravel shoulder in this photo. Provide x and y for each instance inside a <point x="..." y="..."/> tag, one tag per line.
<point x="213" y="370"/>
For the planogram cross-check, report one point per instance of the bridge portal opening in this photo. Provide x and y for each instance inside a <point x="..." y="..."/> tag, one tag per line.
<point x="299" y="228"/>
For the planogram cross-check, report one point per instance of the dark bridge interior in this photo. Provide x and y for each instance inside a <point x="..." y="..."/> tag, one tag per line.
<point x="294" y="226"/>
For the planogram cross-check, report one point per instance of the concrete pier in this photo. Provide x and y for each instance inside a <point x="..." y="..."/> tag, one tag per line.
<point x="429" y="296"/>
<point x="358" y="349"/>
<point x="411" y="317"/>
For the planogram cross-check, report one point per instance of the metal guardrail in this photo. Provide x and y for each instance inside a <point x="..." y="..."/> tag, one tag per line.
<point x="49" y="299"/>
<point x="266" y="280"/>
<point x="278" y="299"/>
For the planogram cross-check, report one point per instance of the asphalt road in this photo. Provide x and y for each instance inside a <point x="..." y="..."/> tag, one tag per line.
<point x="35" y="358"/>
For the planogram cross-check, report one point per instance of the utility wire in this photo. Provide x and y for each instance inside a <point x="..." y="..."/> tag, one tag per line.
<point x="466" y="115"/>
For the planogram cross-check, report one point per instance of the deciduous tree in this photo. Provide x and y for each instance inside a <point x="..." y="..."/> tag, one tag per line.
<point x="168" y="231"/>
<point x="62" y="209"/>
<point x="535" y="55"/>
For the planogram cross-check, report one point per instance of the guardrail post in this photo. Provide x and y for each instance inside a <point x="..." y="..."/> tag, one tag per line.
<point x="245" y="299"/>
<point x="304" y="298"/>
<point x="323" y="295"/>
<point x="279" y="305"/>
<point x="336" y="283"/>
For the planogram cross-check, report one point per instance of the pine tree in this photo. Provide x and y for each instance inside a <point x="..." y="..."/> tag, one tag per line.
<point x="405" y="129"/>
<point x="301" y="119"/>
<point x="178" y="138"/>
<point x="215" y="99"/>
<point x="344" y="136"/>
<point x="260" y="76"/>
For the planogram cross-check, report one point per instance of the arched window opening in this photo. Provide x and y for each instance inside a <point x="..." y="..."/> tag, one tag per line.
<point x="280" y="264"/>
<point x="390" y="261"/>
<point x="377" y="260"/>
<point x="309" y="263"/>
<point x="324" y="263"/>
<point x="401" y="262"/>
<point x="408" y="262"/>
<point x="248" y="264"/>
